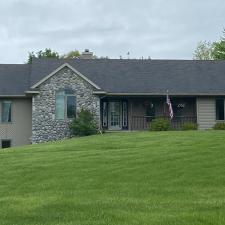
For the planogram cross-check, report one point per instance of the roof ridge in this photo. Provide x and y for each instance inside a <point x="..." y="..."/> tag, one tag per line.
<point x="127" y="60"/>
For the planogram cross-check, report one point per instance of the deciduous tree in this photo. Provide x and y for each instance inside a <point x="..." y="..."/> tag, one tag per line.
<point x="203" y="51"/>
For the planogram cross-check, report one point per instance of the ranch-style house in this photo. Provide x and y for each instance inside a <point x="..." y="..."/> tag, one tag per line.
<point x="39" y="100"/>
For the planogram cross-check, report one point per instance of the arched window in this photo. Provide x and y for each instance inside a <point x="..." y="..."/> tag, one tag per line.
<point x="65" y="104"/>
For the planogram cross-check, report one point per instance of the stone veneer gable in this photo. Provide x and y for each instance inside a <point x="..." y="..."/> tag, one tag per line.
<point x="44" y="125"/>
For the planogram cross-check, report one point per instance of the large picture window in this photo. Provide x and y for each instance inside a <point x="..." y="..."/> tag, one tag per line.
<point x="6" y="111"/>
<point x="65" y="104"/>
<point x="220" y="109"/>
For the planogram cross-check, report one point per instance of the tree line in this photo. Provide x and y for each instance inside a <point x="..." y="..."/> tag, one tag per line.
<point x="49" y="53"/>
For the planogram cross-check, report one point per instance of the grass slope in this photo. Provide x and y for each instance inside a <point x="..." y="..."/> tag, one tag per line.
<point x="165" y="178"/>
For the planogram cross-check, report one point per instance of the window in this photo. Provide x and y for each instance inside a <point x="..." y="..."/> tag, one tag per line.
<point x="71" y="106"/>
<point x="6" y="111"/>
<point x="178" y="108"/>
<point x="65" y="104"/>
<point x="220" y="109"/>
<point x="150" y="110"/>
<point x="6" y="143"/>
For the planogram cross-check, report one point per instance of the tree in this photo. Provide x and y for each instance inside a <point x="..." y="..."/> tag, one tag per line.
<point x="71" y="55"/>
<point x="47" y="53"/>
<point x="218" y="52"/>
<point x="207" y="50"/>
<point x="204" y="51"/>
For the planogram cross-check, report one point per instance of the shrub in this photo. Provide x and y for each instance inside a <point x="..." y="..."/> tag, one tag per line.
<point x="219" y="126"/>
<point x="84" y="124"/>
<point x="160" y="124"/>
<point x="189" y="126"/>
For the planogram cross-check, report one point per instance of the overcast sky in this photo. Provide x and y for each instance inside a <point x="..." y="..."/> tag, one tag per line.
<point x="161" y="29"/>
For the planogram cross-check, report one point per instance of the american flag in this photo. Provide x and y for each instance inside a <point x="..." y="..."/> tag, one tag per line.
<point x="170" y="106"/>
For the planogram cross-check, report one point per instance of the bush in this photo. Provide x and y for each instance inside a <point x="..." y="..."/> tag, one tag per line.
<point x="160" y="124"/>
<point x="84" y="124"/>
<point x="219" y="126"/>
<point x="189" y="126"/>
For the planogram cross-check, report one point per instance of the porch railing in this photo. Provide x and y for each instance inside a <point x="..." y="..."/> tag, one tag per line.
<point x="144" y="122"/>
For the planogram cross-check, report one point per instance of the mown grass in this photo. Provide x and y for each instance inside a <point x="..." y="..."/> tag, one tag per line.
<point x="158" y="178"/>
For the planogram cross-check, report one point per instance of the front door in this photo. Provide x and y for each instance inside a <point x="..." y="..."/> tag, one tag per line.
<point x="115" y="115"/>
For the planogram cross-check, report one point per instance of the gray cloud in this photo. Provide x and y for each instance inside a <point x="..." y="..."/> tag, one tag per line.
<point x="156" y="28"/>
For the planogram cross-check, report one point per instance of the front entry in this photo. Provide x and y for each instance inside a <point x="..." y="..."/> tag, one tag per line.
<point x="115" y="115"/>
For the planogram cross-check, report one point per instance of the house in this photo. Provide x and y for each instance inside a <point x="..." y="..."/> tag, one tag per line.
<point x="38" y="101"/>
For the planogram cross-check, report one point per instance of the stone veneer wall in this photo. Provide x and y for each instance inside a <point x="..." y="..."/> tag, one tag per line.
<point x="44" y="125"/>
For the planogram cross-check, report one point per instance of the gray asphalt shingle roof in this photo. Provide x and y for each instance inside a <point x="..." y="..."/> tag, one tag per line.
<point x="125" y="76"/>
<point x="144" y="76"/>
<point x="14" y="79"/>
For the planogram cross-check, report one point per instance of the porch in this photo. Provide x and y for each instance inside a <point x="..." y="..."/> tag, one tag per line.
<point x="144" y="122"/>
<point x="136" y="113"/>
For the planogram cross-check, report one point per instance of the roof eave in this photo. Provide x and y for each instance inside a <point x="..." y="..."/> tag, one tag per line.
<point x="13" y="96"/>
<point x="155" y="94"/>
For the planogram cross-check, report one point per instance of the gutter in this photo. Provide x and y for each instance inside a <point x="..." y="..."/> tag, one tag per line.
<point x="156" y="94"/>
<point x="32" y="92"/>
<point x="13" y="96"/>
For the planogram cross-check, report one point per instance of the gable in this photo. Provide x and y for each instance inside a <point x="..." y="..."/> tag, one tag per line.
<point x="60" y="68"/>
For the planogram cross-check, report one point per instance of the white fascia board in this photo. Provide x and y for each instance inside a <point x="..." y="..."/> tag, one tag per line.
<point x="157" y="94"/>
<point x="13" y="96"/>
<point x="31" y="92"/>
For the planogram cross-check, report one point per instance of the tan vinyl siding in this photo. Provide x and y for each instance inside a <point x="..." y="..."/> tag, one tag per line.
<point x="19" y="130"/>
<point x="206" y="112"/>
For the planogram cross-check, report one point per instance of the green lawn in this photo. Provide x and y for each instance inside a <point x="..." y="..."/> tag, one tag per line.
<point x="138" y="178"/>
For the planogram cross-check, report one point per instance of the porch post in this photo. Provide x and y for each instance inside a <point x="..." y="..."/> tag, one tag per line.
<point x="131" y="115"/>
<point x="100" y="116"/>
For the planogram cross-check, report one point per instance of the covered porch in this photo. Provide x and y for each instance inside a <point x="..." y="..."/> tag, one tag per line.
<point x="136" y="113"/>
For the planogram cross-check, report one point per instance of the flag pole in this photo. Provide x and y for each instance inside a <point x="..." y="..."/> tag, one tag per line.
<point x="170" y="107"/>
